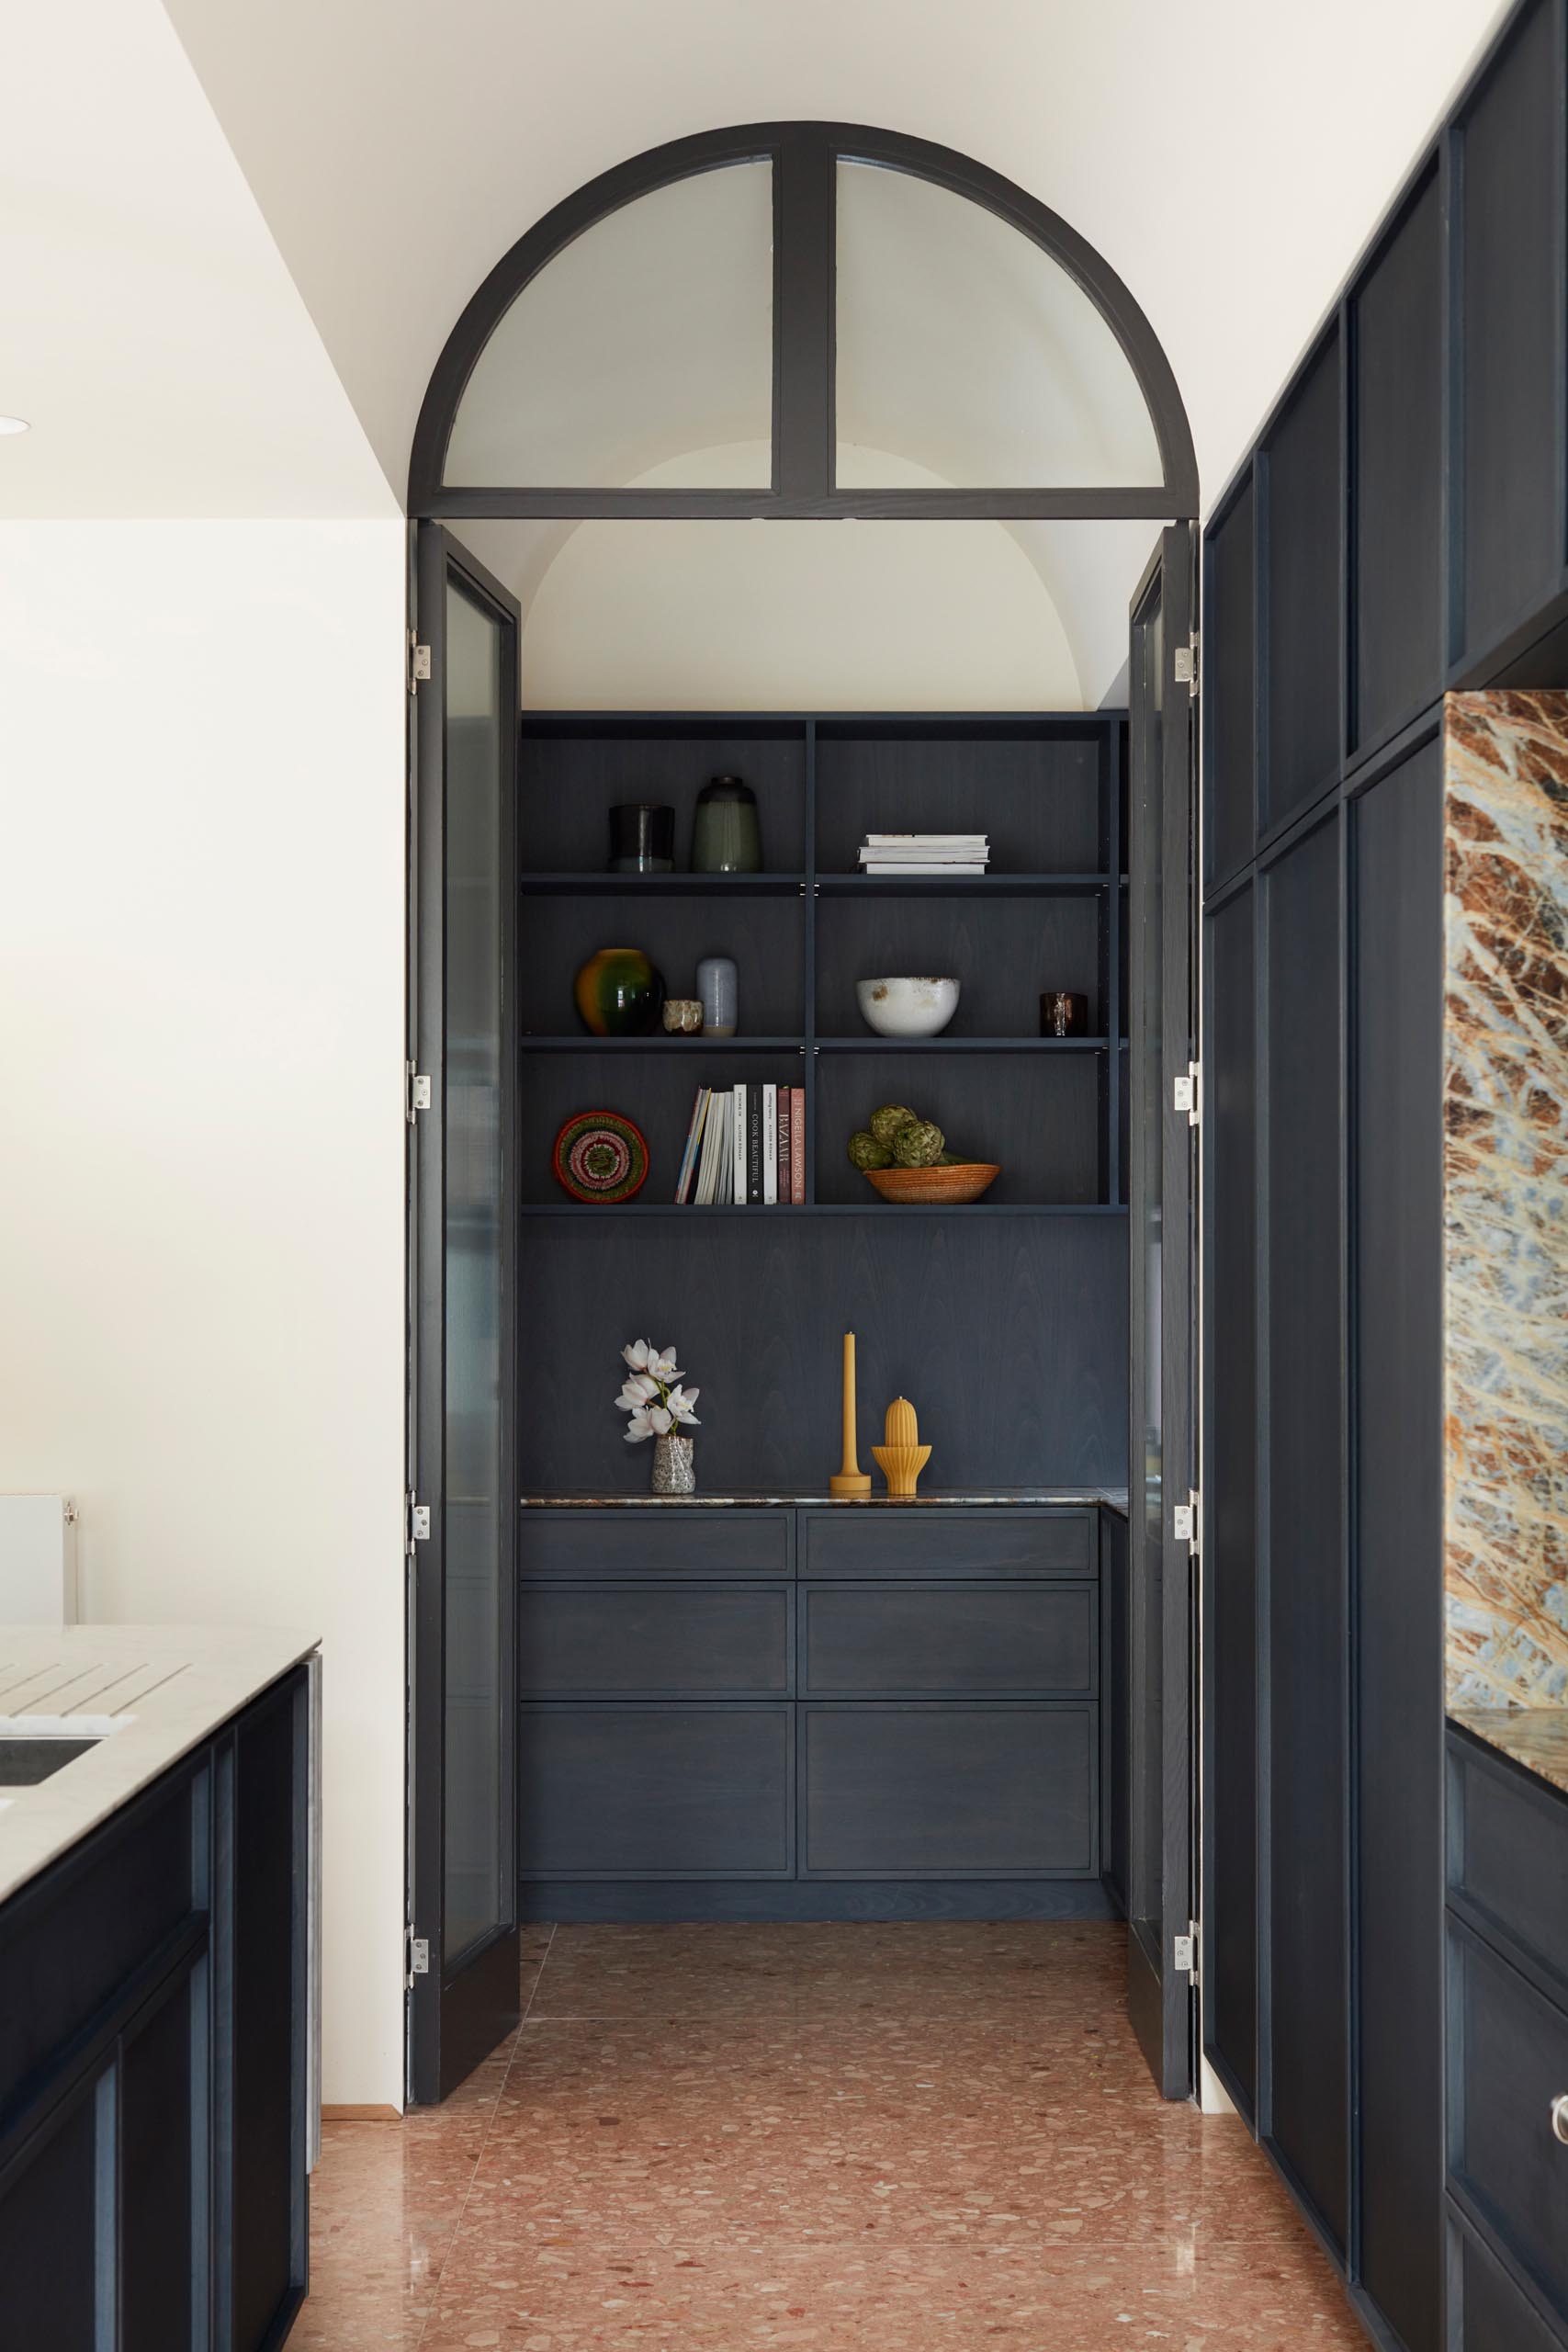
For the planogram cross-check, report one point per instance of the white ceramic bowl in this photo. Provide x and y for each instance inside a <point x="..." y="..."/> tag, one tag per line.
<point x="907" y="1008"/>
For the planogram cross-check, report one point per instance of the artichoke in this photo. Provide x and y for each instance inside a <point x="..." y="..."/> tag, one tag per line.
<point x="866" y="1152"/>
<point x="920" y="1144"/>
<point x="884" y="1124"/>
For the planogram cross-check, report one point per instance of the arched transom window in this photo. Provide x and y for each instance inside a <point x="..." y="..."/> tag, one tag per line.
<point x="803" y="319"/>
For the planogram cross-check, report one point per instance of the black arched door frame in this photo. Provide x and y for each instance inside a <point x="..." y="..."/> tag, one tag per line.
<point x="804" y="156"/>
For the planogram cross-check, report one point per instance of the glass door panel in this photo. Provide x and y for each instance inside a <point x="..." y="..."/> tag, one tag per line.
<point x="967" y="353"/>
<point x="463" y="1868"/>
<point x="644" y="348"/>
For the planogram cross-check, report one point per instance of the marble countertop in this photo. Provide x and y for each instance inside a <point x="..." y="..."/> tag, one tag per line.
<point x="1112" y="1497"/>
<point x="153" y="1691"/>
<point x="1536" y="1737"/>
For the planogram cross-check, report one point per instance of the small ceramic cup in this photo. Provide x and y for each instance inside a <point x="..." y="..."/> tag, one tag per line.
<point x="684" y="1016"/>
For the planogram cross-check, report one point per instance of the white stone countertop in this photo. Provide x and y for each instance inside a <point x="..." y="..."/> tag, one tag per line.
<point x="154" y="1691"/>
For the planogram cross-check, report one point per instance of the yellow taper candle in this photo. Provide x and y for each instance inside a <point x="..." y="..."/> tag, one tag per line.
<point x="849" y="1479"/>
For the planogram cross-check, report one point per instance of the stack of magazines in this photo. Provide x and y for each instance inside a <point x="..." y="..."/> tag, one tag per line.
<point x="746" y="1145"/>
<point x="925" y="853"/>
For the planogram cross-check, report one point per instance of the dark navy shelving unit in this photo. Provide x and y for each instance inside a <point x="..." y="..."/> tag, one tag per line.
<point x="1026" y="1289"/>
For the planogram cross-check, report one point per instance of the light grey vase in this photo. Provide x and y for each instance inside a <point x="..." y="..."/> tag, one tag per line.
<point x="719" y="989"/>
<point x="674" y="1467"/>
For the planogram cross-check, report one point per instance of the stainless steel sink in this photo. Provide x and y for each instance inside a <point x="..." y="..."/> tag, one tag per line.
<point x="24" y="1762"/>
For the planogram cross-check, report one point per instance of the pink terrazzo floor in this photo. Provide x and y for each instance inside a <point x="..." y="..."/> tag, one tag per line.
<point x="902" y="2139"/>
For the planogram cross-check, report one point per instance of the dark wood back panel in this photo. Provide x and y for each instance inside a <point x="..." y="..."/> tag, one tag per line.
<point x="1035" y="1308"/>
<point x="1301" y="680"/>
<point x="1509" y="275"/>
<point x="1396" y="472"/>
<point x="1397" y="1599"/>
<point x="1230" y="715"/>
<point x="1308" y="2111"/>
<point x="1231" y="1562"/>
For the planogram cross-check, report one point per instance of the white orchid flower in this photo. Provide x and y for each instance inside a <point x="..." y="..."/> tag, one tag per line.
<point x="638" y="1353"/>
<point x="663" y="1365"/>
<point x="638" y="1427"/>
<point x="662" y="1418"/>
<point x="637" y="1389"/>
<point x="680" y="1401"/>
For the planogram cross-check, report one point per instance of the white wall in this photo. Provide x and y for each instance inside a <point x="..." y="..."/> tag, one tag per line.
<point x="201" y="1028"/>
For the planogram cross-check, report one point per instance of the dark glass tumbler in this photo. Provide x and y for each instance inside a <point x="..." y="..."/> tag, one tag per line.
<point x="642" y="838"/>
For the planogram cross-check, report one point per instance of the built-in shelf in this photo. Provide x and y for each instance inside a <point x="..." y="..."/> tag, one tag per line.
<point x="945" y="1044"/>
<point x="662" y="1043"/>
<point x="662" y="886"/>
<point x="993" y="885"/>
<point x="824" y="1208"/>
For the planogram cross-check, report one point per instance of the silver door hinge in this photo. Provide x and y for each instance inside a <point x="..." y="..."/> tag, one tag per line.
<point x="1184" y="1951"/>
<point x="1186" y="1094"/>
<point x="418" y="1955"/>
<point x="418" y="1092"/>
<point x="416" y="1523"/>
<point x="419" y="663"/>
<point x="1187" y="664"/>
<point x="1186" y="1520"/>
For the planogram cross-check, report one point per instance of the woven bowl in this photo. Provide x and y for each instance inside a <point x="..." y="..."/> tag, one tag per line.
<point x="948" y="1185"/>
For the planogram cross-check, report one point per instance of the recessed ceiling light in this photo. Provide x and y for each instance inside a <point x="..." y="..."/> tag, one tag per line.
<point x="15" y="424"/>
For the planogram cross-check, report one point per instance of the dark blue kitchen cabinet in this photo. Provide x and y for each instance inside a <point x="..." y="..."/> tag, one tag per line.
<point x="153" y="2060"/>
<point x="798" y="1711"/>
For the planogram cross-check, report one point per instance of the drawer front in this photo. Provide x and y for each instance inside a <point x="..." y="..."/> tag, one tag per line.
<point x="663" y="1640"/>
<point x="656" y="1542"/>
<point x="1508" y="2060"/>
<point x="935" y="1541"/>
<point x="1508" y="1854"/>
<point x="994" y="1791"/>
<point x="656" y="1791"/>
<point x="1486" y="2310"/>
<point x="996" y="1640"/>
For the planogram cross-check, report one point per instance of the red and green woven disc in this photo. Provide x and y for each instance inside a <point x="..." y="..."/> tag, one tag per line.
<point x="599" y="1156"/>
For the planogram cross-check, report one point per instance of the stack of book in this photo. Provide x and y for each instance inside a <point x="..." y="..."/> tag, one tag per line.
<point x="746" y="1146"/>
<point x="925" y="853"/>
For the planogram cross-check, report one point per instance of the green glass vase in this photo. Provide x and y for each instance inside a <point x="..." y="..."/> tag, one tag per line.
<point x="726" y="834"/>
<point x="618" y="993"/>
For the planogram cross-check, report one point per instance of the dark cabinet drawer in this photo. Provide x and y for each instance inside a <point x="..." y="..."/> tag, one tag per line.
<point x="656" y="1791"/>
<point x="948" y="1790"/>
<point x="1508" y="1855"/>
<point x="995" y="1640"/>
<point x="935" y="1541"/>
<point x="660" y="1640"/>
<point x="1508" y="2060"/>
<point x="656" y="1542"/>
<point x="1487" y="2313"/>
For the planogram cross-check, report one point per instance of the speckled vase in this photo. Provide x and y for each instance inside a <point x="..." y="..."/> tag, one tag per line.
<point x="674" y="1466"/>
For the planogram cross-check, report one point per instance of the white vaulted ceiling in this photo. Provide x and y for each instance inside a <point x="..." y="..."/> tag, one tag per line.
<point x="1226" y="159"/>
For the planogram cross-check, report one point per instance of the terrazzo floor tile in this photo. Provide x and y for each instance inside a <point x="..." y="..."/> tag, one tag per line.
<point x="893" y="2138"/>
<point x="908" y="2298"/>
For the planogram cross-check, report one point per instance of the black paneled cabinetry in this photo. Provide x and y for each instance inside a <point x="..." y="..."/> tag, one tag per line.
<point x="153" y="2025"/>
<point x="1401" y="528"/>
<point x="783" y="1713"/>
<point x="1506" y="2118"/>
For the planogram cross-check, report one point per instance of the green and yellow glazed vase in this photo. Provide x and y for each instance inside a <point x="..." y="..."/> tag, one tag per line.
<point x="618" y="993"/>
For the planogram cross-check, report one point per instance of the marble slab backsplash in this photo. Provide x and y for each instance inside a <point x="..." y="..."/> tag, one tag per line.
<point x="1505" y="1198"/>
